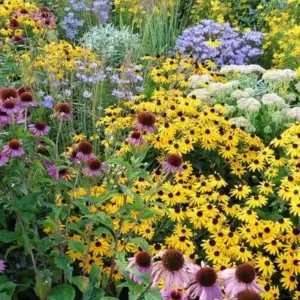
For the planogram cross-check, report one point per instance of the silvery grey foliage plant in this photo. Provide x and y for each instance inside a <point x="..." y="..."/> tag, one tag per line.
<point x="112" y="44"/>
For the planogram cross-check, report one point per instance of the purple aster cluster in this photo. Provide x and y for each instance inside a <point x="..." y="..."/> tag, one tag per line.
<point x="73" y="23"/>
<point x="127" y="81"/>
<point x="220" y="43"/>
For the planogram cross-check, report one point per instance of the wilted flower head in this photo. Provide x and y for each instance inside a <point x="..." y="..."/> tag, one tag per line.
<point x="63" y="110"/>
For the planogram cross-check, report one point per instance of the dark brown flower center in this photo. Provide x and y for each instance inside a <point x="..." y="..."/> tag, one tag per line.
<point x="63" y="108"/>
<point x="23" y="89"/>
<point x="175" y="160"/>
<point x="143" y="259"/>
<point x="14" y="144"/>
<point x="24" y="11"/>
<point x="14" y="23"/>
<point x="8" y="93"/>
<point x="206" y="276"/>
<point x="176" y="295"/>
<point x="26" y="97"/>
<point x="136" y="135"/>
<point x="146" y="118"/>
<point x="249" y="295"/>
<point x="85" y="148"/>
<point x="245" y="273"/>
<point x="40" y="125"/>
<point x="94" y="164"/>
<point x="173" y="260"/>
<point x="8" y="104"/>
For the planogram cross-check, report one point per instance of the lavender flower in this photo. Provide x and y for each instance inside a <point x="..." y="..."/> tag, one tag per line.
<point x="3" y="161"/>
<point x="220" y="42"/>
<point x="94" y="167"/>
<point x="142" y="263"/>
<point x="71" y="25"/>
<point x="13" y="149"/>
<point x="2" y="266"/>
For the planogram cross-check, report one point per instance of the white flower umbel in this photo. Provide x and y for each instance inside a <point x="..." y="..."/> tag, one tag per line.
<point x="244" y="123"/>
<point x="283" y="76"/>
<point x="273" y="100"/>
<point x="242" y="69"/>
<point x="248" y="104"/>
<point x="198" y="80"/>
<point x="238" y="94"/>
<point x="293" y="113"/>
<point x="203" y="95"/>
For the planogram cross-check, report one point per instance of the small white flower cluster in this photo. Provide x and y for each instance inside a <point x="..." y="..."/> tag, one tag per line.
<point x="243" y="122"/>
<point x="203" y="95"/>
<point x="238" y="94"/>
<point x="242" y="69"/>
<point x="224" y="88"/>
<point x="249" y="104"/>
<point x="273" y="100"/>
<point x="293" y="113"/>
<point x="198" y="80"/>
<point x="284" y="76"/>
<point x="297" y="86"/>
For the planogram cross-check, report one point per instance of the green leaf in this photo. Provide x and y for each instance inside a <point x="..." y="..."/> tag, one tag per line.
<point x="50" y="223"/>
<point x="101" y="218"/>
<point x="147" y="214"/>
<point x="6" y="286"/>
<point x="109" y="298"/>
<point x="142" y="243"/>
<point x="81" y="282"/>
<point x="7" y="236"/>
<point x="64" y="263"/>
<point x="3" y="219"/>
<point x="43" y="284"/>
<point x="153" y="294"/>
<point x="95" y="275"/>
<point x="63" y="291"/>
<point x="138" y="202"/>
<point x="77" y="246"/>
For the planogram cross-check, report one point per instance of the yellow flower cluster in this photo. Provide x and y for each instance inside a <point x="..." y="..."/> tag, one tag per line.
<point x="283" y="35"/>
<point x="60" y="58"/>
<point x="20" y="20"/>
<point x="136" y="10"/>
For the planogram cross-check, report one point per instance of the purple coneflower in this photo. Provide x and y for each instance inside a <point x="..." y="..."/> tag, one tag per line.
<point x="142" y="262"/>
<point x="39" y="128"/>
<point x="23" y="89"/>
<point x="63" y="110"/>
<point x="203" y="283"/>
<point x="135" y="138"/>
<point x="23" y="116"/>
<point x="173" y="164"/>
<point x="9" y="106"/>
<point x="17" y="39"/>
<point x="5" y="118"/>
<point x="26" y="100"/>
<point x="85" y="151"/>
<point x="145" y="122"/>
<point x="249" y="295"/>
<point x="171" y="267"/>
<point x="8" y="93"/>
<point x="59" y="174"/>
<point x="2" y="266"/>
<point x="175" y="294"/>
<point x="14" y="24"/>
<point x="14" y="149"/>
<point x="3" y="159"/>
<point x="94" y="167"/>
<point x="239" y="279"/>
<point x="73" y="156"/>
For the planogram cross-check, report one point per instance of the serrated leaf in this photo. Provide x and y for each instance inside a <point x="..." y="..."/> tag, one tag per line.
<point x="7" y="236"/>
<point x="64" y="263"/>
